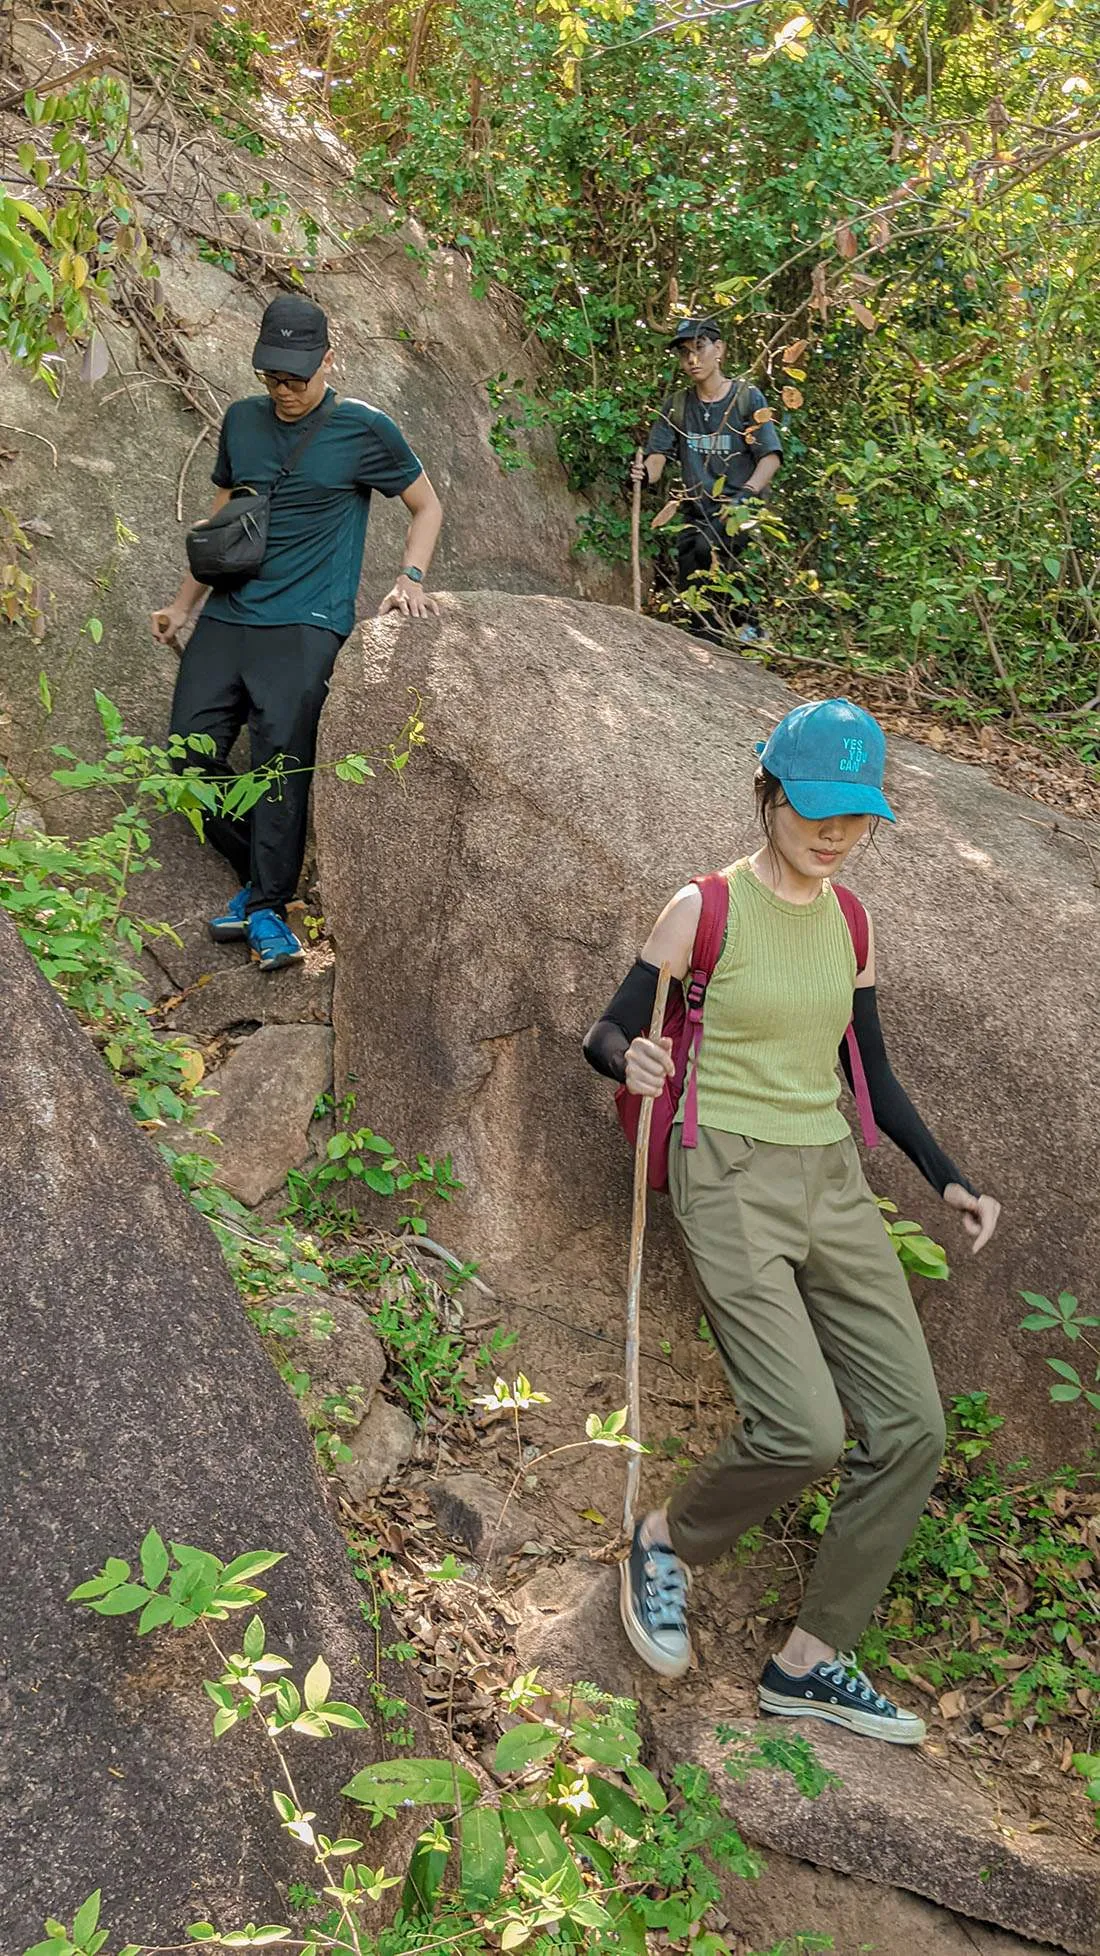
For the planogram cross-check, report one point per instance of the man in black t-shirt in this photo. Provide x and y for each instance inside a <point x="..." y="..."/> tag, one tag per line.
<point x="725" y="453"/>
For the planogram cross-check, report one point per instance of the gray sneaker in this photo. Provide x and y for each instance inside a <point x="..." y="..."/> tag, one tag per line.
<point x="653" y="1586"/>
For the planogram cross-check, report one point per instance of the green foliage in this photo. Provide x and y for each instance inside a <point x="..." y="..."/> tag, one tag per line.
<point x="602" y="1858"/>
<point x="360" y="1155"/>
<point x="780" y="1753"/>
<point x="65" y="243"/>
<point x="1064" y="1315"/>
<point x="198" y="1586"/>
<point x="901" y="247"/>
<point x="235" y="47"/>
<point x="598" y="1860"/>
<point x="69" y="902"/>
<point x="918" y="1255"/>
<point x="995" y="1590"/>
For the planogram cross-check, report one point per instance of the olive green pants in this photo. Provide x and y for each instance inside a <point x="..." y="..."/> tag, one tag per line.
<point x="813" y="1319"/>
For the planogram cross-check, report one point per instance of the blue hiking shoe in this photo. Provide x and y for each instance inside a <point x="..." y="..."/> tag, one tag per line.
<point x="271" y="941"/>
<point x="232" y="925"/>
<point x="653" y="1586"/>
<point x="839" y="1693"/>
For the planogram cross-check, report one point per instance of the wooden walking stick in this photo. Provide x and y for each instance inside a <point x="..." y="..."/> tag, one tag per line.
<point x="634" y="1285"/>
<point x="636" y="536"/>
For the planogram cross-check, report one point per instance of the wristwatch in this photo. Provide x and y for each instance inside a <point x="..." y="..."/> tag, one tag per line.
<point x="414" y="576"/>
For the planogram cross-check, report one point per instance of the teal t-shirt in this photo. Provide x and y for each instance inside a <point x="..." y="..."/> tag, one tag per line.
<point x="318" y="527"/>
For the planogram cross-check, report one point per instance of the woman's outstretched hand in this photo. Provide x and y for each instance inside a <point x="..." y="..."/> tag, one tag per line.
<point x="980" y="1213"/>
<point x="648" y="1066"/>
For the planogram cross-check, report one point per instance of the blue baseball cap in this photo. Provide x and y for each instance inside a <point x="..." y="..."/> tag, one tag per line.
<point x="829" y="756"/>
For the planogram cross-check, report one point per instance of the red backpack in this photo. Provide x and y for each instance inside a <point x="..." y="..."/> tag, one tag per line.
<point x="683" y="1024"/>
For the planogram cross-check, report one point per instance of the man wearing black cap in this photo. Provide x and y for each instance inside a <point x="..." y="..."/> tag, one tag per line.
<point x="263" y="650"/>
<point x="725" y="453"/>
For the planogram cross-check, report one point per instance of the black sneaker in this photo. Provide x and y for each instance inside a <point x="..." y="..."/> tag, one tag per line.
<point x="839" y="1693"/>
<point x="653" y="1585"/>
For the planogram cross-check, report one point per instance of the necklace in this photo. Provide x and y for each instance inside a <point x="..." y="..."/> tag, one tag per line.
<point x="708" y="405"/>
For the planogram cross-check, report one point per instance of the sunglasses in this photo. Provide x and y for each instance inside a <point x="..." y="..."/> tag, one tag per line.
<point x="293" y="383"/>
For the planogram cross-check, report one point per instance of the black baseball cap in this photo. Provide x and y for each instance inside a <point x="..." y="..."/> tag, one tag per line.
<point x="293" y="337"/>
<point x="696" y="329"/>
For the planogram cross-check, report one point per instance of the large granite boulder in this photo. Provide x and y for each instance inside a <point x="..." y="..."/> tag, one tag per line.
<point x="581" y="764"/>
<point x="135" y="1393"/>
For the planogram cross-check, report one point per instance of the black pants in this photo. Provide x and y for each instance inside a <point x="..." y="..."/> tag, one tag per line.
<point x="275" y="677"/>
<point x="703" y="534"/>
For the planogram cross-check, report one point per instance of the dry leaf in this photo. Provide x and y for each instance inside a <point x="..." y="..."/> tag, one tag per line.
<point x="819" y="294"/>
<point x="96" y="362"/>
<point x="880" y="231"/>
<point x="762" y="415"/>
<point x="846" y="242"/>
<point x="666" y="514"/>
<point x="952" y="1704"/>
<point x="190" y="1066"/>
<point x="792" y="354"/>
<point x="864" y="315"/>
<point x="792" y="397"/>
<point x="594" y="1516"/>
<point x="896" y="145"/>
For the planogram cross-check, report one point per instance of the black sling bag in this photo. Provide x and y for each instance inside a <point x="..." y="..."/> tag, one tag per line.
<point x="223" y="550"/>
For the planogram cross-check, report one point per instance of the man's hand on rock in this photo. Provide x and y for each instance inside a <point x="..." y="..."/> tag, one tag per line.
<point x="169" y="623"/>
<point x="408" y="600"/>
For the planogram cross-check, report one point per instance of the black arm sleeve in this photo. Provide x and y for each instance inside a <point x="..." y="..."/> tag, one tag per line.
<point x="893" y="1109"/>
<point x="628" y="1014"/>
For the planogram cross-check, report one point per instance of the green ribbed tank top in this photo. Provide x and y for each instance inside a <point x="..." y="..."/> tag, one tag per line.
<point x="777" y="1007"/>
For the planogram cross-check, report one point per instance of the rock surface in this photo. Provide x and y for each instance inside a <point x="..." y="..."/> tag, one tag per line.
<point x="569" y="1629"/>
<point x="470" y="1512"/>
<point x="898" y="1817"/>
<point x="862" y="1918"/>
<point x="380" y="1445"/>
<point x="301" y="994"/>
<point x="267" y="1091"/>
<point x="350" y="1355"/>
<point x="134" y="1393"/>
<point x="581" y="765"/>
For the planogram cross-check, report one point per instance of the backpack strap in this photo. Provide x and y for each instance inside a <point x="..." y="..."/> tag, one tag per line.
<point x="855" y="916"/>
<point x="327" y="409"/>
<point x="677" y="410"/>
<point x="710" y="935"/>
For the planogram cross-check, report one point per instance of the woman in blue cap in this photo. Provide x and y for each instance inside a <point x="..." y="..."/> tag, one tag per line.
<point x="810" y="1310"/>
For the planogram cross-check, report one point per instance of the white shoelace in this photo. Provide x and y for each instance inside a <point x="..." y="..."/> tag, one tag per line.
<point x="844" y="1670"/>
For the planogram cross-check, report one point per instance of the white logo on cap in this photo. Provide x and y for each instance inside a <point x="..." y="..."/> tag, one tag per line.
<point x="287" y="332"/>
